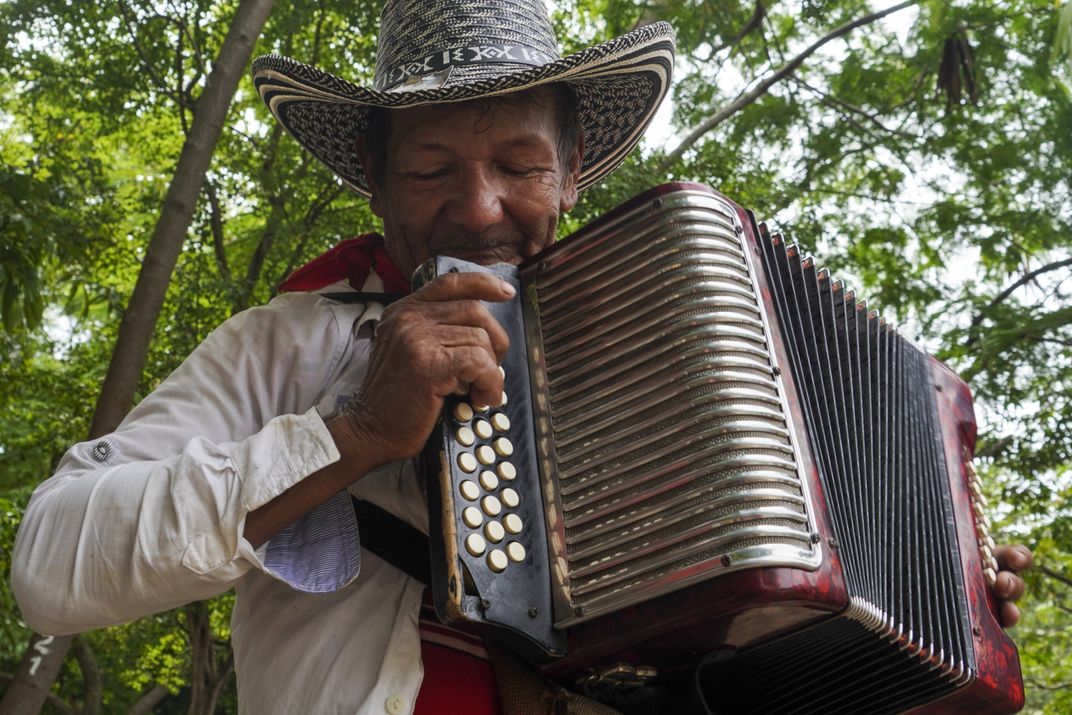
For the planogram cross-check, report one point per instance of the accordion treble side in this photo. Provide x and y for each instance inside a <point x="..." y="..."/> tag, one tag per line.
<point x="713" y="456"/>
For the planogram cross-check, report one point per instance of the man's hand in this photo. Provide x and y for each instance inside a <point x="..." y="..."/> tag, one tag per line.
<point x="1009" y="586"/>
<point x="438" y="340"/>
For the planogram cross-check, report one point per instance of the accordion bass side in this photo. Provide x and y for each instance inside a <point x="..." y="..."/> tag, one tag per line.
<point x="713" y="457"/>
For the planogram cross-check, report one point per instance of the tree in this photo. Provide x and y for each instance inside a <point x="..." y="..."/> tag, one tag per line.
<point x="40" y="664"/>
<point x="923" y="155"/>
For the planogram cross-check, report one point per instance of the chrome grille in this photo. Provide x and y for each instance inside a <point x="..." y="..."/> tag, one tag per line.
<point x="665" y="449"/>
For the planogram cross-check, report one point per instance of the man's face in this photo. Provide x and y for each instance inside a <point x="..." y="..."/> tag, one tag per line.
<point x="479" y="182"/>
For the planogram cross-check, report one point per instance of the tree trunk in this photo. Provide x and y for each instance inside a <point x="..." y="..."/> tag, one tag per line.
<point x="43" y="658"/>
<point x="149" y="700"/>
<point x="91" y="677"/>
<point x="207" y="676"/>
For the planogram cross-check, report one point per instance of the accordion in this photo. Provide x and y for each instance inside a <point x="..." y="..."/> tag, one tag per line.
<point x="713" y="457"/>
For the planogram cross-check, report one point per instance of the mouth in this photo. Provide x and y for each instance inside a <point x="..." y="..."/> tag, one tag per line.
<point x="484" y="255"/>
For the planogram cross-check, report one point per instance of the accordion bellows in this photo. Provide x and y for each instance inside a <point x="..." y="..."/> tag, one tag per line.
<point x="719" y="458"/>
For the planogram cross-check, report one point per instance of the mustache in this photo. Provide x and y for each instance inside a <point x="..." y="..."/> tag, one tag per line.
<point x="492" y="238"/>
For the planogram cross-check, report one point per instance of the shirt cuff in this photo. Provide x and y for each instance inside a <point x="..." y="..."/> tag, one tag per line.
<point x="319" y="553"/>
<point x="288" y="449"/>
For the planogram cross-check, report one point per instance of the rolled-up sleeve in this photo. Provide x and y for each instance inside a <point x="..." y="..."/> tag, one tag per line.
<point x="151" y="516"/>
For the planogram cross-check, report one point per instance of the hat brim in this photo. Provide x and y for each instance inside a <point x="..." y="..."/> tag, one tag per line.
<point x="619" y="85"/>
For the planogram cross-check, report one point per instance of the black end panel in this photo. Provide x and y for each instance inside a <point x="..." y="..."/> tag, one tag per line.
<point x="515" y="601"/>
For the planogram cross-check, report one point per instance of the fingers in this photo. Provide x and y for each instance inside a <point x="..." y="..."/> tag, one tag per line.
<point x="434" y="342"/>
<point x="1008" y="586"/>
<point x="1009" y="613"/>
<point x="472" y="363"/>
<point x="1016" y="558"/>
<point x="465" y="286"/>
<point x="469" y="314"/>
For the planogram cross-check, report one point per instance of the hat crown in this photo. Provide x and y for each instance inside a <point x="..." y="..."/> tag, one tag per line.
<point x="422" y="43"/>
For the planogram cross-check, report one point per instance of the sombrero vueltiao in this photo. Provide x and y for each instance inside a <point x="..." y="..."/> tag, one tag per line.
<point x="437" y="51"/>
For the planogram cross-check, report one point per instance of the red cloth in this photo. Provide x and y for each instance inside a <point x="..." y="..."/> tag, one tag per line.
<point x="456" y="683"/>
<point x="351" y="260"/>
<point x="458" y="677"/>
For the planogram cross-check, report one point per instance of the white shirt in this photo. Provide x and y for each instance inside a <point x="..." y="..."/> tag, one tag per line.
<point x="151" y="517"/>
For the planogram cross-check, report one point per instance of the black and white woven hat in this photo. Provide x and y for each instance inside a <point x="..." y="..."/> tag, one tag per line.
<point x="438" y="51"/>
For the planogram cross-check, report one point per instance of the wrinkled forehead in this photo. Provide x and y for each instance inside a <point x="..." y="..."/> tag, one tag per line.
<point x="531" y="107"/>
<point x="530" y="119"/>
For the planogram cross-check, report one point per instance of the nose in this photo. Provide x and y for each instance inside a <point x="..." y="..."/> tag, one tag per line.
<point x="476" y="202"/>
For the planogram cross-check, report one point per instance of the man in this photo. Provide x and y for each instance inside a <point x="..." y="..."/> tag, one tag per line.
<point x="228" y="475"/>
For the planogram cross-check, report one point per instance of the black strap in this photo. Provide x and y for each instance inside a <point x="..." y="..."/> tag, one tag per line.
<point x="348" y="297"/>
<point x="393" y="540"/>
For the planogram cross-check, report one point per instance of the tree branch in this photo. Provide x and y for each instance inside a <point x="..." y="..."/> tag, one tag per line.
<point x="149" y="700"/>
<point x="146" y="64"/>
<point x="842" y="104"/>
<point x="753" y="22"/>
<point x="1023" y="280"/>
<point x="216" y="224"/>
<point x="764" y="86"/>
<point x="1054" y="575"/>
<point x="91" y="677"/>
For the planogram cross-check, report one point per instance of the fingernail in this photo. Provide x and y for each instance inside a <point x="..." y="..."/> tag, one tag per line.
<point x="508" y="289"/>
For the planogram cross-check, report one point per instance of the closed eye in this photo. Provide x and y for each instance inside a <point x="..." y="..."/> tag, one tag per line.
<point x="517" y="170"/>
<point x="427" y="175"/>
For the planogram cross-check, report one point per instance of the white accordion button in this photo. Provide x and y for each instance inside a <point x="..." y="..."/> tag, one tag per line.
<point x="472" y="517"/>
<point x="469" y="490"/>
<point x="506" y="471"/>
<point x="494" y="531"/>
<point x="510" y="498"/>
<point x="500" y="421"/>
<point x="513" y="523"/>
<point x="465" y="436"/>
<point x="482" y="429"/>
<point x="503" y="403"/>
<point x="463" y="412"/>
<point x="474" y="544"/>
<point x="488" y="480"/>
<point x="485" y="454"/>
<point x="467" y="462"/>
<point x="515" y="551"/>
<point x="480" y="408"/>
<point x="503" y="447"/>
<point x="497" y="560"/>
<point x="491" y="505"/>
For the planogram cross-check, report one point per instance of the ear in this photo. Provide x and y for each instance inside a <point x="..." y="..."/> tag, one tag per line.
<point x="568" y="197"/>
<point x="376" y="199"/>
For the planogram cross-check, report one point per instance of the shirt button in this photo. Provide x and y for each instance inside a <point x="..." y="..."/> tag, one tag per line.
<point x="395" y="705"/>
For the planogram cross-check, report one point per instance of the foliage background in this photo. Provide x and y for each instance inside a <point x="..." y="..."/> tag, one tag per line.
<point x="926" y="157"/>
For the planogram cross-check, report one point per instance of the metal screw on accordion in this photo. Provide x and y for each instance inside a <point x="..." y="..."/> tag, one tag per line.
<point x="726" y="560"/>
<point x="815" y="538"/>
<point x="976" y="630"/>
<point x="833" y="543"/>
<point x="578" y="610"/>
<point x="776" y="371"/>
<point x="657" y="203"/>
<point x="534" y="612"/>
<point x="485" y="604"/>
